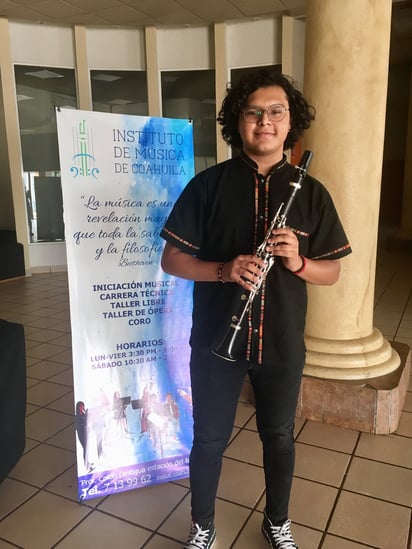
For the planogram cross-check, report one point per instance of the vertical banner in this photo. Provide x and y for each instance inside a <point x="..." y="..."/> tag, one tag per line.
<point x="130" y="321"/>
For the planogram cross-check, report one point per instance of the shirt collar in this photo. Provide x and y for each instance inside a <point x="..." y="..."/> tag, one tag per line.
<point x="252" y="164"/>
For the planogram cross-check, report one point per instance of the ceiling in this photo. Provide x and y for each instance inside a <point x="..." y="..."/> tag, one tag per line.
<point x="140" y="13"/>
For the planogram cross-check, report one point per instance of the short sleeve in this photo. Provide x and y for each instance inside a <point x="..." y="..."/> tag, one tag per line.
<point x="184" y="226"/>
<point x="328" y="240"/>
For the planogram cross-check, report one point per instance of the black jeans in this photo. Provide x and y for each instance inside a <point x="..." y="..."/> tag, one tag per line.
<point x="216" y="385"/>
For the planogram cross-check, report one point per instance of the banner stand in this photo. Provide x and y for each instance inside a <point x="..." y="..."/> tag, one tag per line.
<point x="130" y="321"/>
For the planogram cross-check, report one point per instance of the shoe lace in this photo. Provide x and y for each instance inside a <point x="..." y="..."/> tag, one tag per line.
<point x="283" y="536"/>
<point x="198" y="537"/>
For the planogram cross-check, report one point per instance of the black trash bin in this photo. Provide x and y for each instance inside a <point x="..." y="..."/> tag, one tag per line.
<point x="12" y="395"/>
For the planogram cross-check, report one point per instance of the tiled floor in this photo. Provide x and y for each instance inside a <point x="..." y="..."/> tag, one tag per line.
<point x="351" y="490"/>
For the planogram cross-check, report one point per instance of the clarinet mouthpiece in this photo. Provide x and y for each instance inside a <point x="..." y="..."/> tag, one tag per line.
<point x="305" y="160"/>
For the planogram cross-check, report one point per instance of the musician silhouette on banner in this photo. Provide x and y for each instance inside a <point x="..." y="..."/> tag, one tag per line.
<point x="172" y="415"/>
<point x="81" y="428"/>
<point x="119" y="415"/>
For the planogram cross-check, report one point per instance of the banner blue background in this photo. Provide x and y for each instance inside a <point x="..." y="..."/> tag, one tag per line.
<point x="130" y="321"/>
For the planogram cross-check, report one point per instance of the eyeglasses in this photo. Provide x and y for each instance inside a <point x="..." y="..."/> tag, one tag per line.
<point x="275" y="113"/>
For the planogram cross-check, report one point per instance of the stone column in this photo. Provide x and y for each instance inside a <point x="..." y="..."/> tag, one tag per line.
<point x="346" y="74"/>
<point x="221" y="79"/>
<point x="84" y="89"/>
<point x="152" y="72"/>
<point x="11" y="122"/>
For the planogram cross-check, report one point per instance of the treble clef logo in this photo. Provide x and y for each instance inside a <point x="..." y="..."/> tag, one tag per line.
<point x="83" y="161"/>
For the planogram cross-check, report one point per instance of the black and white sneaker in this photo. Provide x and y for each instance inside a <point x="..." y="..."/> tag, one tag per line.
<point x="201" y="537"/>
<point x="279" y="537"/>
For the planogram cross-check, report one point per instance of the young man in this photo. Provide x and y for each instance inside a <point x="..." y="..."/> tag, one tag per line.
<point x="212" y="235"/>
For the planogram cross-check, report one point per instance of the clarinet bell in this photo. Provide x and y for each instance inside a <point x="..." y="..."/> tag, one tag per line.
<point x="227" y="348"/>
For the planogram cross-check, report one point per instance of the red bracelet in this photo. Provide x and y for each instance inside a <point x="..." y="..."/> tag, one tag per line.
<point x="220" y="273"/>
<point x="302" y="267"/>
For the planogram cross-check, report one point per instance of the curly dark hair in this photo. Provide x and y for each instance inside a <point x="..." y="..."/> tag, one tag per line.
<point x="301" y="114"/>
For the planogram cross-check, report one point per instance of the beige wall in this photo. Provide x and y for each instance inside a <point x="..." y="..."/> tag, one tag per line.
<point x="251" y="43"/>
<point x="116" y="49"/>
<point x="187" y="48"/>
<point x="33" y="44"/>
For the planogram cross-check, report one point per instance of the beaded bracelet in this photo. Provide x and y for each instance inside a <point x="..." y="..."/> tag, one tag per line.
<point x="302" y="267"/>
<point x="220" y="273"/>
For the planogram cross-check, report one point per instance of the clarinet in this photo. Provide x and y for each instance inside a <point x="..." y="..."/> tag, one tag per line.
<point x="228" y="349"/>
